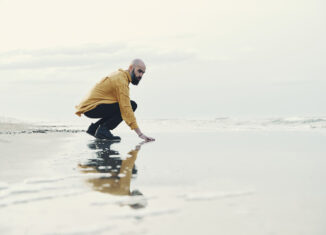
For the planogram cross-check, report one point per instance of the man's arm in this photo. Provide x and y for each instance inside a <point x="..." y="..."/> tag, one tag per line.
<point x="127" y="112"/>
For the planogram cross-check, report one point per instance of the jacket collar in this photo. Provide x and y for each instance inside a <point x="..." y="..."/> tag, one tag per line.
<point x="127" y="73"/>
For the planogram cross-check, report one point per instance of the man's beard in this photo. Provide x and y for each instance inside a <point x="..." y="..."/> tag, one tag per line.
<point x="134" y="79"/>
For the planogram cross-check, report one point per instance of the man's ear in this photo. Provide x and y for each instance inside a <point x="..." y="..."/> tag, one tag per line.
<point x="130" y="68"/>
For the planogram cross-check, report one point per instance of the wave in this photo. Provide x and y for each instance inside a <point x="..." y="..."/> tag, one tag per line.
<point x="237" y="124"/>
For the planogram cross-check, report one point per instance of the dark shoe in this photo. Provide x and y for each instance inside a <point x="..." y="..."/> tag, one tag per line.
<point x="104" y="133"/>
<point x="92" y="129"/>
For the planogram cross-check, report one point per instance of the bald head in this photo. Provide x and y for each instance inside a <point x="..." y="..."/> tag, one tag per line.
<point x="136" y="69"/>
<point x="138" y="62"/>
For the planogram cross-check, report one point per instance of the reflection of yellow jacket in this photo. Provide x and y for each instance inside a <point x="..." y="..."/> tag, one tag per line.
<point x="111" y="89"/>
<point x="114" y="185"/>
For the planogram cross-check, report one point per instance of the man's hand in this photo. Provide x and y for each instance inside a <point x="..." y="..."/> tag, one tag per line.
<point x="146" y="138"/>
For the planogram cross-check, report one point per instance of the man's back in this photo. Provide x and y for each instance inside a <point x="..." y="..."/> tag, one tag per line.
<point x="105" y="91"/>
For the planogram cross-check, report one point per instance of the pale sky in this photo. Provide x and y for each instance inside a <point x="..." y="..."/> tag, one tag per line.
<point x="205" y="59"/>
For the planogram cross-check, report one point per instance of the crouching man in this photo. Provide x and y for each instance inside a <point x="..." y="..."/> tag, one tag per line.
<point x="109" y="101"/>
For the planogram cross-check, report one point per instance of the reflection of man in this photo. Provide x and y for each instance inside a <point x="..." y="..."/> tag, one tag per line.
<point x="121" y="172"/>
<point x="109" y="100"/>
<point x="119" y="182"/>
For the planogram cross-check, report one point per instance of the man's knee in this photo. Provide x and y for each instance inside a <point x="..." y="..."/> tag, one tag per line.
<point x="133" y="105"/>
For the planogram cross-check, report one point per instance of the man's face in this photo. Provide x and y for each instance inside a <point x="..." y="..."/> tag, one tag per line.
<point x="136" y="74"/>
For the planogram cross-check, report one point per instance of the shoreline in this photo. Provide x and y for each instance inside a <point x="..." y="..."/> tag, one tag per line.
<point x="317" y="123"/>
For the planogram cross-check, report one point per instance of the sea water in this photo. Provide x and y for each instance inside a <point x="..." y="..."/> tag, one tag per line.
<point x="267" y="177"/>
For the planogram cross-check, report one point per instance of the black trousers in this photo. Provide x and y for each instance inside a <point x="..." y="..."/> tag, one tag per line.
<point x="109" y="114"/>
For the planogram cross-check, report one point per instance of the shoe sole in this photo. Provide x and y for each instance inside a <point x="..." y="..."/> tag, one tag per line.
<point x="103" y="138"/>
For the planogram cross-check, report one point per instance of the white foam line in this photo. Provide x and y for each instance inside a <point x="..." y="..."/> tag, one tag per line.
<point x="3" y="185"/>
<point x="48" y="180"/>
<point x="145" y="212"/>
<point x="121" y="201"/>
<point x="40" y="198"/>
<point x="36" y="190"/>
<point x="43" y="180"/>
<point x="214" y="195"/>
<point x="86" y="231"/>
<point x="21" y="191"/>
<point x="26" y="189"/>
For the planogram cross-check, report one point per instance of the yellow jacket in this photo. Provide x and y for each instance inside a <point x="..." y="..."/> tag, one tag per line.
<point x="111" y="89"/>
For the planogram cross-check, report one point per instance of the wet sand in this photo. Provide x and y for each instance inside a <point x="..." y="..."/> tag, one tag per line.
<point x="249" y="182"/>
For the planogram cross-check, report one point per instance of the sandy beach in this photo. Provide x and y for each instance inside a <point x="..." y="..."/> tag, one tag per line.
<point x="232" y="91"/>
<point x="221" y="182"/>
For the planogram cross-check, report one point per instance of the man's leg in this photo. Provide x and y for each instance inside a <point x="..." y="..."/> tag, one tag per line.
<point x="114" y="121"/>
<point x="110" y="116"/>
<point x="102" y="111"/>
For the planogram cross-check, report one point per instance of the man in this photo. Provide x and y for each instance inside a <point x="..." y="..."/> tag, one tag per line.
<point x="109" y="100"/>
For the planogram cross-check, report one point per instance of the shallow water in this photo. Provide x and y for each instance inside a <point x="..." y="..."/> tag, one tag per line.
<point x="68" y="183"/>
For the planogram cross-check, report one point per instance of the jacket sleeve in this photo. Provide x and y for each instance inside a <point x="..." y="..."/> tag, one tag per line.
<point x="125" y="106"/>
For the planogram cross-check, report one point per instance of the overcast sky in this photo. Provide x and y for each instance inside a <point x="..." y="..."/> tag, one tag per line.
<point x="205" y="59"/>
